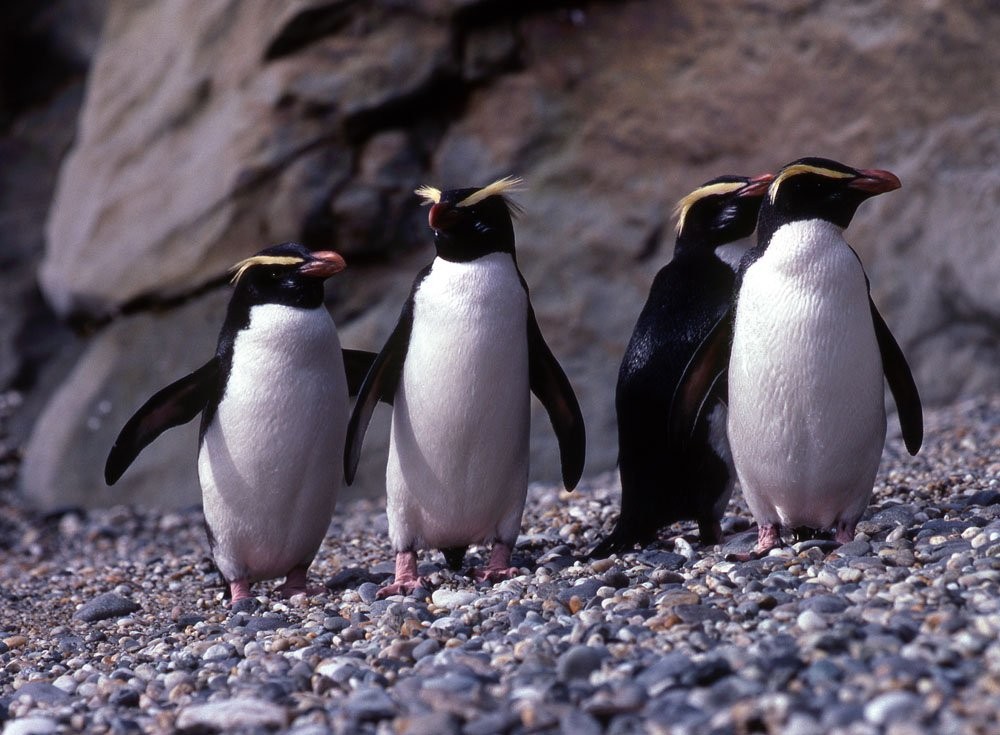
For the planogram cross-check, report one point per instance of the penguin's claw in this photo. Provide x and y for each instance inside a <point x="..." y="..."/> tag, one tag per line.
<point x="492" y="576"/>
<point x="407" y="580"/>
<point x="498" y="569"/>
<point x="768" y="537"/>
<point x="402" y="587"/>
<point x="239" y="589"/>
<point x="845" y="532"/>
<point x="296" y="583"/>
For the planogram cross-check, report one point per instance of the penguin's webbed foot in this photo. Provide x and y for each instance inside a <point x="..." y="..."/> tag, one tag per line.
<point x="768" y="537"/>
<point x="296" y="583"/>
<point x="407" y="580"/>
<point x="239" y="590"/>
<point x="498" y="568"/>
<point x="845" y="532"/>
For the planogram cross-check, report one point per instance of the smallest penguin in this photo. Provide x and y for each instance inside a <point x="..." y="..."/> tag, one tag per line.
<point x="273" y="405"/>
<point x="668" y="475"/>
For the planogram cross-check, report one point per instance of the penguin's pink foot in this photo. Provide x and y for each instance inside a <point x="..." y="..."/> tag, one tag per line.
<point x="239" y="589"/>
<point x="296" y="583"/>
<point x="498" y="569"/>
<point x="768" y="537"/>
<point x="406" y="580"/>
<point x="845" y="532"/>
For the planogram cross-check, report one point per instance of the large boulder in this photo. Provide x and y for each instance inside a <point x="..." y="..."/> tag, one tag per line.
<point x="213" y="129"/>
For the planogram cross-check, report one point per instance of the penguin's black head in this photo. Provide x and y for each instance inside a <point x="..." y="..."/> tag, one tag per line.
<point x="285" y="274"/>
<point x="818" y="188"/>
<point x="471" y="223"/>
<point x="719" y="211"/>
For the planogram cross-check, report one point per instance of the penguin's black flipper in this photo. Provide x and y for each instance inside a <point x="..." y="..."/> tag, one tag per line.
<point x="172" y="406"/>
<point x="357" y="363"/>
<point x="550" y="384"/>
<point x="704" y="378"/>
<point x="379" y="385"/>
<point x="901" y="384"/>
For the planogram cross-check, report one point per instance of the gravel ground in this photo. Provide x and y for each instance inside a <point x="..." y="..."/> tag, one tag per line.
<point x="113" y="621"/>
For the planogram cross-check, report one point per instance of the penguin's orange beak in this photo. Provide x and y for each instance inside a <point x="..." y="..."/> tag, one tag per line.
<point x="875" y="181"/>
<point x="324" y="264"/>
<point x="757" y="186"/>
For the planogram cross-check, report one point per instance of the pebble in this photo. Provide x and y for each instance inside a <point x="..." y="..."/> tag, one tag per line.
<point x="107" y="605"/>
<point x="232" y="714"/>
<point x="893" y="633"/>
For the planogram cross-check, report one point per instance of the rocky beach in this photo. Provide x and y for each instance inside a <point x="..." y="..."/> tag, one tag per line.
<point x="114" y="621"/>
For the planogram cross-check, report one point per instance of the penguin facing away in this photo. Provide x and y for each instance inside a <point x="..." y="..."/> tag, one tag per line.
<point x="273" y="405"/>
<point x="809" y="357"/>
<point x="458" y="369"/>
<point x="668" y="476"/>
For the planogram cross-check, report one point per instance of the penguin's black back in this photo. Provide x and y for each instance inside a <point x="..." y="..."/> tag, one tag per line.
<point x="660" y="482"/>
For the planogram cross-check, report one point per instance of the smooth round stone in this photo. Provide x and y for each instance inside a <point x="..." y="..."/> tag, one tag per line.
<point x="450" y="599"/>
<point x="232" y="714"/>
<point x="578" y="663"/>
<point x="891" y="707"/>
<point x="31" y="725"/>
<point x="367" y="591"/>
<point x="108" y="605"/>
<point x="810" y="621"/>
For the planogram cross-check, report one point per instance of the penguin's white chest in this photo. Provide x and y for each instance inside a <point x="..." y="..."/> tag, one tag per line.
<point x="806" y="405"/>
<point x="271" y="461"/>
<point x="458" y="456"/>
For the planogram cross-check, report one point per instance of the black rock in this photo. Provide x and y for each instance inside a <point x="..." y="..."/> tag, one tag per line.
<point x="700" y="614"/>
<point x="584" y="590"/>
<point x="125" y="697"/>
<point x="108" y="605"/>
<point x="257" y="623"/>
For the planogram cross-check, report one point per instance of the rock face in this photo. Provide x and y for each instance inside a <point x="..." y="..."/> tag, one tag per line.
<point x="212" y="129"/>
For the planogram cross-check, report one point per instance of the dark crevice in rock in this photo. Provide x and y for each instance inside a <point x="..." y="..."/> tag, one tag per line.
<point x="309" y="26"/>
<point x="87" y="324"/>
<point x="443" y="96"/>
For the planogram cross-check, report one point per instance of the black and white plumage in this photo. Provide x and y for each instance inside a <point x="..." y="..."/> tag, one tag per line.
<point x="809" y="358"/>
<point x="273" y="402"/>
<point x="458" y="369"/>
<point x="667" y="475"/>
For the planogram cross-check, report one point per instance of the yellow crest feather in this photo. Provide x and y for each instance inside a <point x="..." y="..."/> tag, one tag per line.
<point x="429" y="194"/>
<point x="240" y="268"/>
<point x="501" y="186"/>
<point x="803" y="168"/>
<point x="685" y="204"/>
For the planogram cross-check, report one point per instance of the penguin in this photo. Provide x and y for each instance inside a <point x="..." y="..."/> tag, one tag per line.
<point x="458" y="368"/>
<point x="273" y="403"/>
<point x="808" y="359"/>
<point x="666" y="476"/>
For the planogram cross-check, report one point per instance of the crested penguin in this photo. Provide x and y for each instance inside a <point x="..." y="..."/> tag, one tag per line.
<point x="809" y="358"/>
<point x="273" y="405"/>
<point x="458" y="369"/>
<point x="668" y="476"/>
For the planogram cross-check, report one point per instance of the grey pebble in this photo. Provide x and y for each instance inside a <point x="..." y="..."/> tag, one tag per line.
<point x="232" y="714"/>
<point x="370" y="703"/>
<point x="367" y="592"/>
<point x="578" y="662"/>
<point x="31" y="725"/>
<point x="892" y="707"/>
<point x="108" y="605"/>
